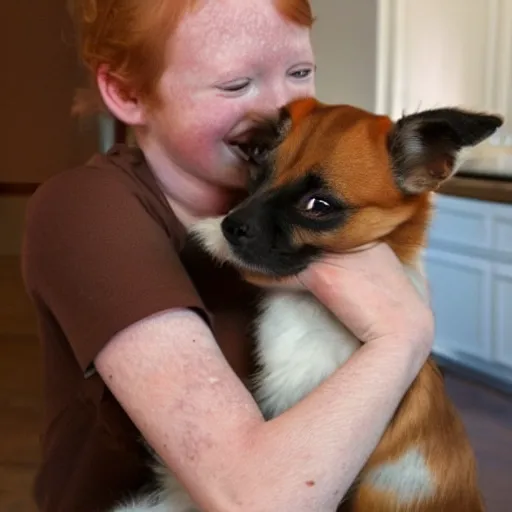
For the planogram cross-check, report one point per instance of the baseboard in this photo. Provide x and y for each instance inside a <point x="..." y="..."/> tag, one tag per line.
<point x="488" y="374"/>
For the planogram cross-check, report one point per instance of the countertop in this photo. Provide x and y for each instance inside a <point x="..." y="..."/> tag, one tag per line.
<point x="483" y="188"/>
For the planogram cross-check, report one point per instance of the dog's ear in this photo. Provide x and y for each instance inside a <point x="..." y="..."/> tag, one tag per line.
<point x="424" y="146"/>
<point x="302" y="107"/>
<point x="264" y="134"/>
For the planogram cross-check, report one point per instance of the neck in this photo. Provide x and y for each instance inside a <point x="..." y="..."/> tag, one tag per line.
<point x="191" y="197"/>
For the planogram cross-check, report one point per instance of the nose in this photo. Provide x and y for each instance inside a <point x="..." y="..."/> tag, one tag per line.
<point x="275" y="97"/>
<point x="238" y="229"/>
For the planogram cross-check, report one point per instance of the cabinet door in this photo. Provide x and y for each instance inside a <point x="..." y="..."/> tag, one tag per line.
<point x="463" y="224"/>
<point x="461" y="300"/>
<point x="502" y="314"/>
<point x="436" y="52"/>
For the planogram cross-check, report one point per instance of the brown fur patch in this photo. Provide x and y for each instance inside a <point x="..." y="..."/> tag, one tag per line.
<point x="298" y="109"/>
<point x="427" y="419"/>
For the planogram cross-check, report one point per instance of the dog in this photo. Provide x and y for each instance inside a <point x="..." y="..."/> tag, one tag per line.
<point x="331" y="179"/>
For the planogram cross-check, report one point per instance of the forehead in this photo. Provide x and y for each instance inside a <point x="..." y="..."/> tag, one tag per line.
<point x="224" y="32"/>
<point x="346" y="147"/>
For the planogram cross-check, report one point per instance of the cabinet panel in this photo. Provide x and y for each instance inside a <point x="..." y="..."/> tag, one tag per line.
<point x="467" y="228"/>
<point x="482" y="228"/>
<point x="463" y="222"/>
<point x="460" y="288"/>
<point x="502" y="233"/>
<point x="443" y="54"/>
<point x="502" y="312"/>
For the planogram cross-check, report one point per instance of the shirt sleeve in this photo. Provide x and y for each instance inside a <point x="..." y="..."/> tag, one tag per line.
<point x="100" y="261"/>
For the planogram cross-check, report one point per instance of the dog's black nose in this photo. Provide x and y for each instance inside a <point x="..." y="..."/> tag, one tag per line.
<point x="237" y="229"/>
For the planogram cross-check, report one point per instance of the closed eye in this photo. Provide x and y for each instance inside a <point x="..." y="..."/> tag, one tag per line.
<point x="235" y="86"/>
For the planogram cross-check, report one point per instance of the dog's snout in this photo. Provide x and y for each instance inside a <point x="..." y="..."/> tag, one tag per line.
<point x="237" y="229"/>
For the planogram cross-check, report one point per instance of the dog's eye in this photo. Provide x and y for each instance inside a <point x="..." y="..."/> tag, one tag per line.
<point x="318" y="205"/>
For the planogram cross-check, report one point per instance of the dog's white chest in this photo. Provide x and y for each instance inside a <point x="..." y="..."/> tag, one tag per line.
<point x="300" y="343"/>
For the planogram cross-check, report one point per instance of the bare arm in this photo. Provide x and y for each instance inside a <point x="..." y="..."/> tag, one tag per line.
<point x="171" y="378"/>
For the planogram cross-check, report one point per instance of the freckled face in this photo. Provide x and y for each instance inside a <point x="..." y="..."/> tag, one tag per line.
<point x="227" y="58"/>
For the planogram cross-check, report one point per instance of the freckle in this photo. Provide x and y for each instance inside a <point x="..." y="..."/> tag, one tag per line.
<point x="310" y="483"/>
<point x="110" y="377"/>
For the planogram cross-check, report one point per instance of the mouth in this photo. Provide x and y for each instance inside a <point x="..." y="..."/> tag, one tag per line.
<point x="238" y="150"/>
<point x="238" y="138"/>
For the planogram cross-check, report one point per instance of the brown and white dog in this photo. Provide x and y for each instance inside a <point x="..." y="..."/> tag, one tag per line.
<point x="332" y="178"/>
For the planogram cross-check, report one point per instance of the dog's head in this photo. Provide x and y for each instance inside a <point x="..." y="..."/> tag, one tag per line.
<point x="332" y="178"/>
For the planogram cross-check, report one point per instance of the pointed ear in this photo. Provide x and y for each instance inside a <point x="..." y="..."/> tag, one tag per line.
<point x="302" y="107"/>
<point x="264" y="134"/>
<point x="424" y="146"/>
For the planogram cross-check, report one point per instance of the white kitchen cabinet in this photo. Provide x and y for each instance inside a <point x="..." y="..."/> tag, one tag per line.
<point x="433" y="53"/>
<point x="502" y="314"/>
<point x="461" y="288"/>
<point x="469" y="266"/>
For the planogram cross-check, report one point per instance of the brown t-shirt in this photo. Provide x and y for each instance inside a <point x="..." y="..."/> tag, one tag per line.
<point x="102" y="250"/>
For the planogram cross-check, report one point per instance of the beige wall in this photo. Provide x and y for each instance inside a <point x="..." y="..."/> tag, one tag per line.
<point x="345" y="39"/>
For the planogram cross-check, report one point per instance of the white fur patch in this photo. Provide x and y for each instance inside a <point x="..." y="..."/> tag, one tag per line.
<point x="171" y="496"/>
<point x="208" y="233"/>
<point x="300" y="344"/>
<point x="146" y="505"/>
<point x="409" y="478"/>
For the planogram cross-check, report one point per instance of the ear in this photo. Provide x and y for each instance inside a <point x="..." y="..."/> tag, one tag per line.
<point x="263" y="135"/>
<point x="302" y="107"/>
<point x="118" y="99"/>
<point x="424" y="146"/>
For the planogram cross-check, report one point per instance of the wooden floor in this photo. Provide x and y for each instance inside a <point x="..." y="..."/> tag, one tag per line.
<point x="20" y="396"/>
<point x="488" y="415"/>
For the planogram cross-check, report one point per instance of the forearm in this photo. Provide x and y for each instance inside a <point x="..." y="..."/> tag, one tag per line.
<point x="307" y="458"/>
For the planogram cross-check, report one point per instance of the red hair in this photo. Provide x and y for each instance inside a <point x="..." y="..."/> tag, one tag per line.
<point x="129" y="37"/>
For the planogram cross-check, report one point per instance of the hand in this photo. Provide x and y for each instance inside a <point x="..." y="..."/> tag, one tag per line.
<point x="371" y="294"/>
